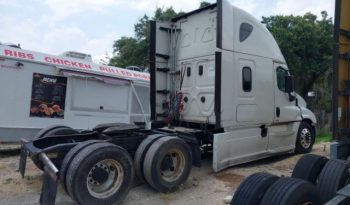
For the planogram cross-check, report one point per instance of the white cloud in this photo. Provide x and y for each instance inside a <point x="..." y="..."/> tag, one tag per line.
<point x="178" y="5"/>
<point x="302" y="7"/>
<point x="49" y="38"/>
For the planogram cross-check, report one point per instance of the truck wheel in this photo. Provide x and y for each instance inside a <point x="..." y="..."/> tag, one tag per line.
<point x="141" y="153"/>
<point x="101" y="173"/>
<point x="253" y="188"/>
<point x="309" y="167"/>
<point x="291" y="191"/>
<point x="54" y="130"/>
<point x="334" y="176"/>
<point x="167" y="164"/>
<point x="305" y="138"/>
<point x="69" y="157"/>
<point x="43" y="131"/>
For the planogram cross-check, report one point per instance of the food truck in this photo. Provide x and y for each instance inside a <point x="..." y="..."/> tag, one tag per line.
<point x="38" y="90"/>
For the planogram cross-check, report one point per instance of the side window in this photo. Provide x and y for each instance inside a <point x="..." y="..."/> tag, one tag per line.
<point x="244" y="31"/>
<point x="247" y="79"/>
<point x="281" y="78"/>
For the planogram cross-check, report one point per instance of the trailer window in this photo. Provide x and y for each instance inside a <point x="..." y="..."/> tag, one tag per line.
<point x="244" y="31"/>
<point x="281" y="78"/>
<point x="247" y="79"/>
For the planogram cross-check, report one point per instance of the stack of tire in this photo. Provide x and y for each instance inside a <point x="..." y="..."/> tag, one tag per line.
<point x="314" y="181"/>
<point x="100" y="172"/>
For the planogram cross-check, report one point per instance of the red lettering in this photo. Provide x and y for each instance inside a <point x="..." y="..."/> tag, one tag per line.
<point x="55" y="60"/>
<point x="87" y="66"/>
<point x="48" y="59"/>
<point x="8" y="53"/>
<point x="74" y="64"/>
<point x="81" y="65"/>
<point x="30" y="56"/>
<point x="68" y="63"/>
<point x="21" y="55"/>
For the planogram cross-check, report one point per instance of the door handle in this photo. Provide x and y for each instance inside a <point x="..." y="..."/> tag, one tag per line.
<point x="278" y="112"/>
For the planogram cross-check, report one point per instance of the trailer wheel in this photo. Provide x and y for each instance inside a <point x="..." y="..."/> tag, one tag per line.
<point x="69" y="157"/>
<point x="305" y="138"/>
<point x="291" y="191"/>
<point x="253" y="188"/>
<point x="141" y="153"/>
<point x="309" y="167"/>
<point x="334" y="176"/>
<point x="43" y="131"/>
<point x="101" y="173"/>
<point x="167" y="164"/>
<point x="54" y="130"/>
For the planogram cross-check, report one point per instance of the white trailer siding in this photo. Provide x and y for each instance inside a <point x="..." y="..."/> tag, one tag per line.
<point x="92" y="97"/>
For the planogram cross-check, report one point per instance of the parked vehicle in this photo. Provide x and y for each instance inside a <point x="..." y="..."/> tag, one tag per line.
<point x="39" y="90"/>
<point x="315" y="179"/>
<point x="219" y="85"/>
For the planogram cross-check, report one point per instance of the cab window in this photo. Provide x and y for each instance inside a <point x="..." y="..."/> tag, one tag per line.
<point x="281" y="76"/>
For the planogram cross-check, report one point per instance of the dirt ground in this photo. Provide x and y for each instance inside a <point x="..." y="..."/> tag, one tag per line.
<point x="203" y="186"/>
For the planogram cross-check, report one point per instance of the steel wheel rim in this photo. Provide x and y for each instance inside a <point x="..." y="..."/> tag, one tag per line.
<point x="111" y="185"/>
<point x="305" y="138"/>
<point x="177" y="168"/>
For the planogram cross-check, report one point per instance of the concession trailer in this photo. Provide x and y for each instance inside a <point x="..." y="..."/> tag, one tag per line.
<point x="38" y="90"/>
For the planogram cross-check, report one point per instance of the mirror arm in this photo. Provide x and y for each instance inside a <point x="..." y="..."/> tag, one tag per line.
<point x="291" y="97"/>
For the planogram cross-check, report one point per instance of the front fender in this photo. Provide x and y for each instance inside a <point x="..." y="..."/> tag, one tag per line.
<point x="308" y="114"/>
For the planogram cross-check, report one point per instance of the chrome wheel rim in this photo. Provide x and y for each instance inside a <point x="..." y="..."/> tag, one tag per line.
<point x="305" y="138"/>
<point x="113" y="175"/>
<point x="175" y="168"/>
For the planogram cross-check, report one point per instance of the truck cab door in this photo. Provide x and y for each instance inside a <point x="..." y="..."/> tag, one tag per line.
<point x="283" y="131"/>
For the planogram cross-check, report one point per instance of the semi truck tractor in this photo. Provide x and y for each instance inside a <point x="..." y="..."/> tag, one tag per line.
<point x="220" y="86"/>
<point x="315" y="179"/>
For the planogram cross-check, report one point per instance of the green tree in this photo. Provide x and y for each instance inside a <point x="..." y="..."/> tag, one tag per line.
<point x="306" y="44"/>
<point x="134" y="51"/>
<point x="204" y="4"/>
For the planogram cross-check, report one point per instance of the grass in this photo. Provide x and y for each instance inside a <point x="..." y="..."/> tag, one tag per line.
<point x="323" y="136"/>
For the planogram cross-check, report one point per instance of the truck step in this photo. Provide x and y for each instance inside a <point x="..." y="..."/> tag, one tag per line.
<point x="165" y="70"/>
<point x="166" y="57"/>
<point x="164" y="92"/>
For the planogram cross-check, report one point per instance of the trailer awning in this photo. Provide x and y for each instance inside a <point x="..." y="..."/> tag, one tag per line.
<point x="106" y="79"/>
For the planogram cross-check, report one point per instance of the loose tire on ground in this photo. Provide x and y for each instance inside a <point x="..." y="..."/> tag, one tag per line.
<point x="253" y="188"/>
<point x="167" y="164"/>
<point x="291" y="191"/>
<point x="69" y="157"/>
<point x="101" y="173"/>
<point x="334" y="176"/>
<point x="305" y="138"/>
<point x="309" y="167"/>
<point x="141" y="153"/>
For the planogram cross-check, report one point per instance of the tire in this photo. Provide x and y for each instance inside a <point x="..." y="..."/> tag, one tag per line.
<point x="309" y="167"/>
<point x="69" y="157"/>
<point x="305" y="138"/>
<point x="291" y="191"/>
<point x="97" y="164"/>
<point x="253" y="188"/>
<point x="43" y="131"/>
<point x="49" y="132"/>
<point x="334" y="176"/>
<point x="141" y="153"/>
<point x="159" y="169"/>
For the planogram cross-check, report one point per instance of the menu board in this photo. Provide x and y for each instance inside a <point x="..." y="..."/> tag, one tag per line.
<point x="48" y="96"/>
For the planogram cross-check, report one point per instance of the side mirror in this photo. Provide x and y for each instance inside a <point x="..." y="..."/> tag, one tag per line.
<point x="289" y="80"/>
<point x="289" y="84"/>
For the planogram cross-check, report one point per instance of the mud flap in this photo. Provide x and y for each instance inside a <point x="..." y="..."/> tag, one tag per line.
<point x="48" y="190"/>
<point x="23" y="159"/>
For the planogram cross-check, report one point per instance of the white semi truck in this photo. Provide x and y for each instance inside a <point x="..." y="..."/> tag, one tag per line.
<point x="219" y="85"/>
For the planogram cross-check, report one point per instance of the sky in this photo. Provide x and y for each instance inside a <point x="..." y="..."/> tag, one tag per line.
<point x="91" y="26"/>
